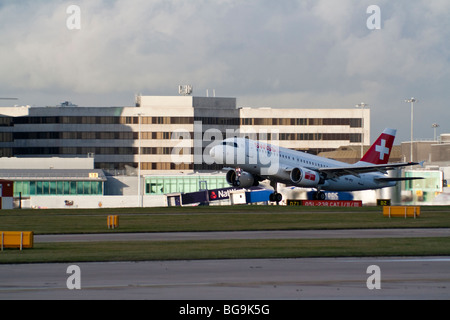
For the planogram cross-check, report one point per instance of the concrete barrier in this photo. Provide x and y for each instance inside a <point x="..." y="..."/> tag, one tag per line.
<point x="401" y="211"/>
<point x="92" y="202"/>
<point x="113" y="222"/>
<point x="16" y="239"/>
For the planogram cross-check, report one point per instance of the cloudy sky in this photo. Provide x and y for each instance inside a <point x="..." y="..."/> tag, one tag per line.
<point x="287" y="53"/>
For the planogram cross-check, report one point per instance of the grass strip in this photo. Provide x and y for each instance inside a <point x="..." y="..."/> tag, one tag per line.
<point x="225" y="249"/>
<point x="43" y="222"/>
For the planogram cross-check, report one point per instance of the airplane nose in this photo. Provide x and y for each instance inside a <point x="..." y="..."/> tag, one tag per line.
<point x="212" y="152"/>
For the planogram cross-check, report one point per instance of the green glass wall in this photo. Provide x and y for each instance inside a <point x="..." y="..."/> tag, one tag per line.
<point x="57" y="188"/>
<point x="426" y="189"/>
<point x="183" y="184"/>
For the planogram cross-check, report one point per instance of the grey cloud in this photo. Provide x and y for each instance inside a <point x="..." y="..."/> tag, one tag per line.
<point x="277" y="53"/>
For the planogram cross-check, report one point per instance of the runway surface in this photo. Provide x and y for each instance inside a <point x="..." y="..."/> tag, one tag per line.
<point x="227" y="235"/>
<point x="259" y="279"/>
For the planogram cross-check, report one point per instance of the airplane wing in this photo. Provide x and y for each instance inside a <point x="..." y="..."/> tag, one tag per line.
<point x="398" y="179"/>
<point x="357" y="170"/>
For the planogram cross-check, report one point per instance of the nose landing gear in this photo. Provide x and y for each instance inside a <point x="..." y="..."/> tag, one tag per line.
<point x="237" y="181"/>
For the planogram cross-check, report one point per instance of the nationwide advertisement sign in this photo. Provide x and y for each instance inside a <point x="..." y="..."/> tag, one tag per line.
<point x="221" y="194"/>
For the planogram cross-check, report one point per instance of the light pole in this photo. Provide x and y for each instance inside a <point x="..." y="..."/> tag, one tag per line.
<point x="435" y="126"/>
<point x="139" y="161"/>
<point x="362" y="105"/>
<point x="412" y="100"/>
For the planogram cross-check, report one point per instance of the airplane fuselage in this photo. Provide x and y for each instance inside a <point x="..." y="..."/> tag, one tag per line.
<point x="267" y="161"/>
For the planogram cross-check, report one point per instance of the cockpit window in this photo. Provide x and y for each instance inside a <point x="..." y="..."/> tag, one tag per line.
<point x="230" y="144"/>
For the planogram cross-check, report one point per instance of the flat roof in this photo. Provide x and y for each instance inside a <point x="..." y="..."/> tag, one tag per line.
<point x="52" y="174"/>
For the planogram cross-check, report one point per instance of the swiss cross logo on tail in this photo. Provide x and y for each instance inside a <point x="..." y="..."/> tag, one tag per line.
<point x="382" y="149"/>
<point x="379" y="152"/>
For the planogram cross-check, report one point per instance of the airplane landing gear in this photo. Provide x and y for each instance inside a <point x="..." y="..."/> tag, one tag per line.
<point x="319" y="195"/>
<point x="237" y="182"/>
<point x="275" y="196"/>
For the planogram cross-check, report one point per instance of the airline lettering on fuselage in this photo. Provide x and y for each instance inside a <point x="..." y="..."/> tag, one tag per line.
<point x="265" y="147"/>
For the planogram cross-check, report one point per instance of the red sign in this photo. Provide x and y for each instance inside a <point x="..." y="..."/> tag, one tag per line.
<point x="331" y="203"/>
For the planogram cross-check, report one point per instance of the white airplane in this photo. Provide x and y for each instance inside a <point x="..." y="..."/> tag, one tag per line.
<point x="250" y="162"/>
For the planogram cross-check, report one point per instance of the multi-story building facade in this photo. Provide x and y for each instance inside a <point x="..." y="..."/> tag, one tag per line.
<point x="170" y="134"/>
<point x="310" y="130"/>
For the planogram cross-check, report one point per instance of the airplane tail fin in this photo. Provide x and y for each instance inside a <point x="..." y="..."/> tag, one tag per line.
<point x="380" y="151"/>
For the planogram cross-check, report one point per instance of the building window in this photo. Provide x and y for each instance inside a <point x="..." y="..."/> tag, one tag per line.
<point x="163" y="185"/>
<point x="355" y="123"/>
<point x="57" y="188"/>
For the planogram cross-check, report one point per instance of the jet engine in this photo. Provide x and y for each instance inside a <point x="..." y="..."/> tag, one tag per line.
<point x="304" y="177"/>
<point x="245" y="180"/>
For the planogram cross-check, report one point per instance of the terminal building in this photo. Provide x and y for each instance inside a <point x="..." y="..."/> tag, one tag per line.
<point x="164" y="140"/>
<point x="163" y="135"/>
